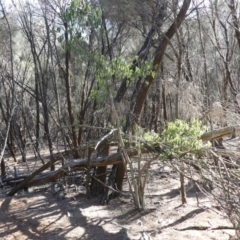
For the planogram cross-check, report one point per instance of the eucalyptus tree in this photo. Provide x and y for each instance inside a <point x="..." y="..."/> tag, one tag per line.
<point x="29" y="19"/>
<point x="143" y="85"/>
<point x="86" y="51"/>
<point x="7" y="66"/>
<point x="223" y="34"/>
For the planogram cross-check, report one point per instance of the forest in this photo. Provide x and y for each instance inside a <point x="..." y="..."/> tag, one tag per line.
<point x="104" y="90"/>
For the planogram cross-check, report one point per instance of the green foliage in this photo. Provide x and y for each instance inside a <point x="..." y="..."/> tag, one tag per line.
<point x="179" y="137"/>
<point x="77" y="19"/>
<point x="117" y="69"/>
<point x="184" y="136"/>
<point x="152" y="138"/>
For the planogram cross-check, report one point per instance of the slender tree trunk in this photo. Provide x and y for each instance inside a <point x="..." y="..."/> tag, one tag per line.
<point x="233" y="7"/>
<point x="12" y="100"/>
<point x="142" y="93"/>
<point x="207" y="87"/>
<point x="37" y="128"/>
<point x="182" y="189"/>
<point x="101" y="172"/>
<point x="3" y="169"/>
<point x="69" y="92"/>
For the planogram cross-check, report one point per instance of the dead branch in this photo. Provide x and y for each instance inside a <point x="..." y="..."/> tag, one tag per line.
<point x="105" y="185"/>
<point x="223" y="132"/>
<point x="227" y="153"/>
<point x="104" y="137"/>
<point x="204" y="228"/>
<point x="13" y="179"/>
<point x="38" y="177"/>
<point x="31" y="176"/>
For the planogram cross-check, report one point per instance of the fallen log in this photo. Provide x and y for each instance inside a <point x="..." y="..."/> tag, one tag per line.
<point x="13" y="179"/>
<point x="219" y="133"/>
<point x="31" y="176"/>
<point x="37" y="177"/>
<point x="57" y="157"/>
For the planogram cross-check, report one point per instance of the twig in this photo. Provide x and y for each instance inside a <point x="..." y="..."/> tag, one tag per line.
<point x="114" y="190"/>
<point x="203" y="228"/>
<point x="104" y="137"/>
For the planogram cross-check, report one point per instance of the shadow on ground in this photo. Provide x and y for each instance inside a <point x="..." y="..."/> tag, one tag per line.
<point x="41" y="219"/>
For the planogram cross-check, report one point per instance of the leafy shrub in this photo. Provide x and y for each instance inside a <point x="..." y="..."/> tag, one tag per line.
<point x="184" y="136"/>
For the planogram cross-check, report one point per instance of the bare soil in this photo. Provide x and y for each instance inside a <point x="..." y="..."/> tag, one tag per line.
<point x="47" y="214"/>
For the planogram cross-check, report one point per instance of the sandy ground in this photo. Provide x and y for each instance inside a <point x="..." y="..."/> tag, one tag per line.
<point x="49" y="215"/>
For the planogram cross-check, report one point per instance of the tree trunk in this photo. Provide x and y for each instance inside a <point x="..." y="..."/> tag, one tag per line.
<point x="3" y="169"/>
<point x="69" y="92"/>
<point x="142" y="93"/>
<point x="182" y="188"/>
<point x="101" y="172"/>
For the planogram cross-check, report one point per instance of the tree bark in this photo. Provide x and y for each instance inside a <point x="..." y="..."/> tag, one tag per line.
<point x="101" y="172"/>
<point x="219" y="133"/>
<point x="142" y="94"/>
<point x="143" y="52"/>
<point x="68" y="90"/>
<point x="3" y="169"/>
<point x="36" y="178"/>
<point x="12" y="99"/>
<point x="235" y="20"/>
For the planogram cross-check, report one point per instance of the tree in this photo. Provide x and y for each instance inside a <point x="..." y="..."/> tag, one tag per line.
<point x="11" y="100"/>
<point x="135" y="112"/>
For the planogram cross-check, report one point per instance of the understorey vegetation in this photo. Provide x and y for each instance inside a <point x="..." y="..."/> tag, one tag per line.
<point x="108" y="87"/>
